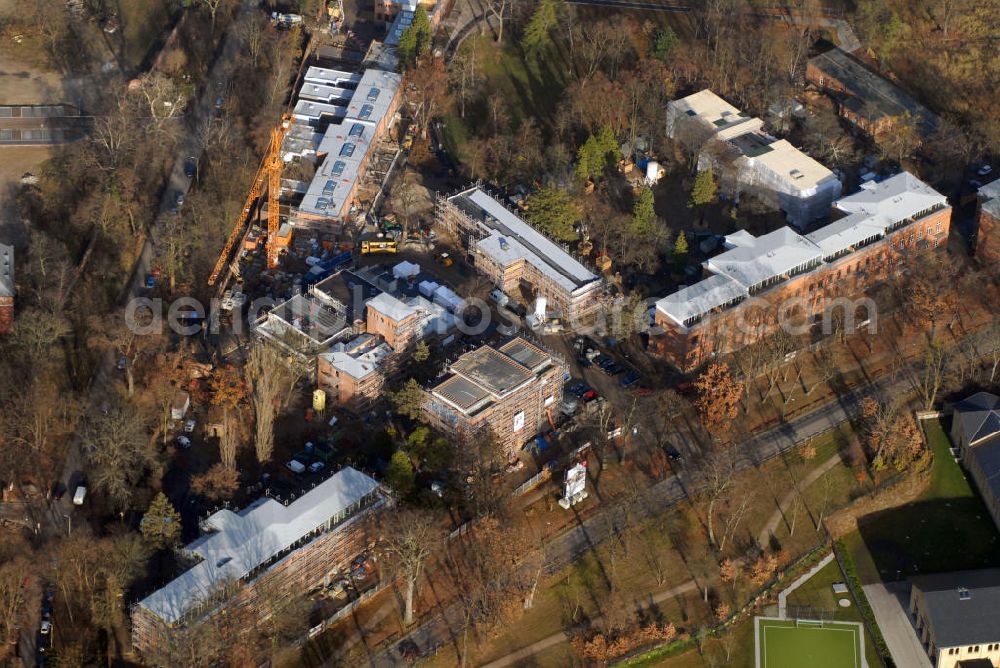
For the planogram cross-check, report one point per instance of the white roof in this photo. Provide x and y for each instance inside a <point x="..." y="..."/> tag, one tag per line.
<point x="6" y="271"/>
<point x="358" y="365"/>
<point x="723" y="119"/>
<point x="240" y="542"/>
<point x="405" y="269"/>
<point x="698" y="299"/>
<point x="390" y="307"/>
<point x="873" y="210"/>
<point x="769" y="256"/>
<point x="794" y="167"/>
<point x="347" y="143"/>
<point x="330" y="77"/>
<point x="512" y="239"/>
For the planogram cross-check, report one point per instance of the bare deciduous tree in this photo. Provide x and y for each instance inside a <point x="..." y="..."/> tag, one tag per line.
<point x="411" y="536"/>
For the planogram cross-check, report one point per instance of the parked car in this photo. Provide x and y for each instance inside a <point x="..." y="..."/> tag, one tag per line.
<point x="577" y="389"/>
<point x="190" y="167"/>
<point x="46" y="628"/>
<point x="583" y="361"/>
<point x="613" y="369"/>
<point x="588" y="396"/>
<point x="79" y="495"/>
<point x="603" y="360"/>
<point x="672" y="453"/>
<point x="184" y="441"/>
<point x="498" y="297"/>
<point x="179" y="198"/>
<point x="189" y="426"/>
<point x="295" y="466"/>
<point x="985" y="170"/>
<point x="316" y="467"/>
<point x="631" y="378"/>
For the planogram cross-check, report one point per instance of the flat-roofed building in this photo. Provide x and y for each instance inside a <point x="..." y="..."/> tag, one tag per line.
<point x="880" y="225"/>
<point x="865" y="98"/>
<point x="747" y="160"/>
<point x="353" y="373"/>
<point x="7" y="289"/>
<point x="270" y="548"/>
<point x="513" y="254"/>
<point x="508" y="391"/>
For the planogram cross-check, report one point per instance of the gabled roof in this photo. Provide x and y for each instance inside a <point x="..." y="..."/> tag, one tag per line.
<point x="961" y="606"/>
<point x="768" y="256"/>
<point x="6" y="271"/>
<point x="979" y="416"/>
<point x="696" y="300"/>
<point x="240" y="542"/>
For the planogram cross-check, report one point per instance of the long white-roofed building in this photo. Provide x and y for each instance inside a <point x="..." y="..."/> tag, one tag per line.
<point x="876" y="229"/>
<point x="288" y="545"/>
<point x="513" y="254"/>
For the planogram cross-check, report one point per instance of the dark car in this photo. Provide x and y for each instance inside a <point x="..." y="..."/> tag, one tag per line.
<point x="583" y="361"/>
<point x="190" y="167"/>
<point x="577" y="389"/>
<point x="603" y="360"/>
<point x="58" y="491"/>
<point x="613" y="369"/>
<point x="673" y="454"/>
<point x="631" y="378"/>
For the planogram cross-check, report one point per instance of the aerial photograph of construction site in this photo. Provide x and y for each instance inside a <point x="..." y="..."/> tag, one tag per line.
<point x="499" y="333"/>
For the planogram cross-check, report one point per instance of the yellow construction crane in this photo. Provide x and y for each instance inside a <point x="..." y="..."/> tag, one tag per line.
<point x="270" y="168"/>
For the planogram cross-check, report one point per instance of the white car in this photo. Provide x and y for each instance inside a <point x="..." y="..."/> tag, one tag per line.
<point x="46" y="628"/>
<point x="189" y="426"/>
<point x="316" y="467"/>
<point x="184" y="441"/>
<point x="985" y="170"/>
<point x="295" y="466"/>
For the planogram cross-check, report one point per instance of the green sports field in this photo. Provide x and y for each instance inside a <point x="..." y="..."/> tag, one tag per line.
<point x="781" y="643"/>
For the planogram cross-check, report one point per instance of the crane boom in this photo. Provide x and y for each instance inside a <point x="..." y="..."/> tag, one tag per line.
<point x="270" y="168"/>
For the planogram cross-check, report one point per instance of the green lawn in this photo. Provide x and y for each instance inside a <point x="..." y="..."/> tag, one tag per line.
<point x="816" y="593"/>
<point x="948" y="528"/>
<point x="784" y="644"/>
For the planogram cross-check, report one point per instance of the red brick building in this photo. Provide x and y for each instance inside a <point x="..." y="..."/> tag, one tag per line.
<point x="271" y="548"/>
<point x="988" y="228"/>
<point x="784" y="274"/>
<point x="6" y="288"/>
<point x="507" y="390"/>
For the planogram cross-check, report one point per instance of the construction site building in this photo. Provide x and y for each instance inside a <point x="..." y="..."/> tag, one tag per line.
<point x="513" y="254"/>
<point x="338" y="120"/>
<point x="508" y="391"/>
<point x="747" y="160"/>
<point x="246" y="562"/>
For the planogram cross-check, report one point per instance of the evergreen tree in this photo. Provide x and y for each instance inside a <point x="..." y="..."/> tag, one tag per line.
<point x="416" y="39"/>
<point x="596" y="154"/>
<point x="399" y="474"/>
<point x="680" y="250"/>
<point x="536" y="33"/>
<point x="421" y="352"/>
<point x="644" y="214"/>
<point x="409" y="399"/>
<point x="161" y="525"/>
<point x="554" y="211"/>
<point x="704" y="189"/>
<point x="666" y="41"/>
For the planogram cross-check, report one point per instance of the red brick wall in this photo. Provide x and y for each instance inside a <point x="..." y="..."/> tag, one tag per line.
<point x="988" y="240"/>
<point x="850" y="276"/>
<point x="6" y="314"/>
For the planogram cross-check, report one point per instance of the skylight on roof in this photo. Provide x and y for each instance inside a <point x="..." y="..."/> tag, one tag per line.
<point x="347" y="150"/>
<point x="338" y="168"/>
<point x="357" y="130"/>
<point x="366" y="111"/>
<point x="373" y="93"/>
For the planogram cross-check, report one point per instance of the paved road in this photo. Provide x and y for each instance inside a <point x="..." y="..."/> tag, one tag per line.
<point x="890" y="603"/>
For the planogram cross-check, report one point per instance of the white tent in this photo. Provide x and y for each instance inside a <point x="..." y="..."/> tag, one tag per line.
<point x="406" y="270"/>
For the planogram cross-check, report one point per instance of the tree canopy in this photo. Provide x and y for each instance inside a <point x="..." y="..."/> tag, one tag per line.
<point x="596" y="154"/>
<point x="536" y="33"/>
<point x="644" y="214"/>
<point x="161" y="525"/>
<point x="416" y="39"/>
<point x="399" y="474"/>
<point x="554" y="211"/>
<point x="704" y="189"/>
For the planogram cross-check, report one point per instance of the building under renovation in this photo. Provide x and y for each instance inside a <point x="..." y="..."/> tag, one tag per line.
<point x="6" y="288"/>
<point x="246" y="560"/>
<point x="515" y="255"/>
<point x="338" y="120"/>
<point x="509" y="391"/>
<point x="747" y="160"/>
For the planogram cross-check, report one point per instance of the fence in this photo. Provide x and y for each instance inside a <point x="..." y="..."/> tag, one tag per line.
<point x="343" y="612"/>
<point x="854" y="584"/>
